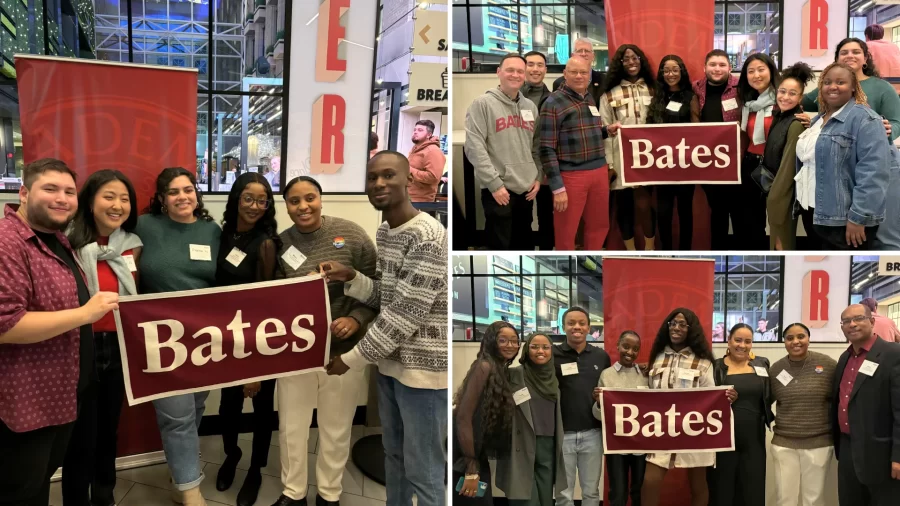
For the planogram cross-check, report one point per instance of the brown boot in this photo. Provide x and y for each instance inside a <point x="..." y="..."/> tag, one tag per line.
<point x="193" y="497"/>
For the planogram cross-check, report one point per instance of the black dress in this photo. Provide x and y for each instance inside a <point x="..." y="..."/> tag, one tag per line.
<point x="739" y="477"/>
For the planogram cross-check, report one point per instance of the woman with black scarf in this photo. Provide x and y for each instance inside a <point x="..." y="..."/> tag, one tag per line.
<point x="780" y="160"/>
<point x="536" y="460"/>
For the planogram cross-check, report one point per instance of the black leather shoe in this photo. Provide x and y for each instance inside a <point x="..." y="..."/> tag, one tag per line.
<point x="287" y="501"/>
<point x="320" y="501"/>
<point x="250" y="489"/>
<point x="226" y="473"/>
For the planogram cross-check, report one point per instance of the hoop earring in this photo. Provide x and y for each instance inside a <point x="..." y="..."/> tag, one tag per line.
<point x="165" y="210"/>
<point x="864" y="66"/>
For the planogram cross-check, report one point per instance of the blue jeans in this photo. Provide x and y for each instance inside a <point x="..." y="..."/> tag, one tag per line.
<point x="179" y="418"/>
<point x="582" y="451"/>
<point x="415" y="427"/>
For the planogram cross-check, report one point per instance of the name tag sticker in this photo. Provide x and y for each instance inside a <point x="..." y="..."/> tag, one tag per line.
<point x="647" y="100"/>
<point x="687" y="374"/>
<point x="294" y="258"/>
<point x="521" y="396"/>
<point x="569" y="369"/>
<point x="761" y="371"/>
<point x="868" y="368"/>
<point x="129" y="261"/>
<point x="201" y="252"/>
<point x="730" y="104"/>
<point x="673" y="106"/>
<point x="527" y="115"/>
<point x="236" y="257"/>
<point x="784" y="377"/>
<point x="594" y="111"/>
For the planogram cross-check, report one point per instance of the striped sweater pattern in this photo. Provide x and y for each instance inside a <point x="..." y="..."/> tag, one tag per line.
<point x="408" y="339"/>
<point x="802" y="419"/>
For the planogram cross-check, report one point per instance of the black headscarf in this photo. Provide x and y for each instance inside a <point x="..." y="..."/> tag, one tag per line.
<point x="540" y="378"/>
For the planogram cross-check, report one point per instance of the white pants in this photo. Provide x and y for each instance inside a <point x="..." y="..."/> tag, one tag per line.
<point x="334" y="398"/>
<point x="800" y="475"/>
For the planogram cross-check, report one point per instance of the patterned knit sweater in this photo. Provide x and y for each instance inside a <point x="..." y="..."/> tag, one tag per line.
<point x="801" y="414"/>
<point x="408" y="339"/>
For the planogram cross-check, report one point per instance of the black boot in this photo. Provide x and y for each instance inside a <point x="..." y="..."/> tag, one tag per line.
<point x="320" y="501"/>
<point x="250" y="488"/>
<point x="226" y="473"/>
<point x="287" y="501"/>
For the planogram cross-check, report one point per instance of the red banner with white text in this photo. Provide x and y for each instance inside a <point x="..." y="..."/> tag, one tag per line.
<point x="680" y="153"/>
<point x="100" y="115"/>
<point x="197" y="340"/>
<point x="663" y="27"/>
<point x="666" y="421"/>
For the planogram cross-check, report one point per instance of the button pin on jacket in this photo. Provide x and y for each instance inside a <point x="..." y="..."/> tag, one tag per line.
<point x="339" y="242"/>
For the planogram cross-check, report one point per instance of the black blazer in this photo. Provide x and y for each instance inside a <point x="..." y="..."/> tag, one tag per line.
<point x="720" y="370"/>
<point x="874" y="413"/>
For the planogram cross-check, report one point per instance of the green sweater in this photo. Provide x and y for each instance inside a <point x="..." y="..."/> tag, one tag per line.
<point x="802" y="420"/>
<point x="356" y="251"/>
<point x="882" y="98"/>
<point x="165" y="261"/>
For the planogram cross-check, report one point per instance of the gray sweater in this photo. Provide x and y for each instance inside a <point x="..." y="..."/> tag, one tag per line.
<point x="500" y="141"/>
<point x="356" y="251"/>
<point x="802" y="420"/>
<point x="626" y="377"/>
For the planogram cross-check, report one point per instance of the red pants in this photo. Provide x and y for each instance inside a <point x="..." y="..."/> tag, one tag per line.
<point x="588" y="193"/>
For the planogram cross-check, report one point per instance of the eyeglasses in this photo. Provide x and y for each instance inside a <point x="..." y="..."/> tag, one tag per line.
<point x="790" y="93"/>
<point x="632" y="59"/>
<point x="855" y="319"/>
<point x="578" y="73"/>
<point x="536" y="347"/>
<point x="248" y="201"/>
<point x="677" y="324"/>
<point x="511" y="342"/>
<point x="583" y="51"/>
<point x="669" y="72"/>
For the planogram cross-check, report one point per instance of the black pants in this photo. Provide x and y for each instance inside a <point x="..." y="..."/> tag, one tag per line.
<point x="745" y="204"/>
<point x="230" y="408"/>
<point x="853" y="493"/>
<point x="812" y="237"/>
<point x="546" y="240"/>
<point x="835" y="238"/>
<point x="625" y="212"/>
<point x="619" y="467"/>
<point x="28" y="461"/>
<point x="666" y="196"/>
<point x="739" y="477"/>
<point x="508" y="227"/>
<point x="90" y="462"/>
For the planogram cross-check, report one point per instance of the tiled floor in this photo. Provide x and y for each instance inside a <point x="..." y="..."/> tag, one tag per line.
<point x="149" y="486"/>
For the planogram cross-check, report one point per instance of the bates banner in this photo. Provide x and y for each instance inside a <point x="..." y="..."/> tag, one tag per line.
<point x="666" y="421"/>
<point x="192" y="341"/>
<point x="680" y="153"/>
<point x="93" y="115"/>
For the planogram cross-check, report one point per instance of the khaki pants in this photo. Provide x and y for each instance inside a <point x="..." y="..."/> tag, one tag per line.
<point x="334" y="399"/>
<point x="800" y="475"/>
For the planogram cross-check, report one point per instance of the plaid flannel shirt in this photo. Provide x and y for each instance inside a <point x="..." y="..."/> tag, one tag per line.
<point x="570" y="134"/>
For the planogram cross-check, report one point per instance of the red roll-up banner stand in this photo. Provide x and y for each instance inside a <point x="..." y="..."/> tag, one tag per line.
<point x="638" y="294"/>
<point x="95" y="115"/>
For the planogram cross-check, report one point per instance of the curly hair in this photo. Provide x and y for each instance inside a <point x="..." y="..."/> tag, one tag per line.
<point x="695" y="340"/>
<point x="858" y="92"/>
<point x="800" y="72"/>
<point x="617" y="73"/>
<point x="657" y="111"/>
<point x="868" y="67"/>
<point x="163" y="180"/>
<point x="496" y="401"/>
<point x="266" y="223"/>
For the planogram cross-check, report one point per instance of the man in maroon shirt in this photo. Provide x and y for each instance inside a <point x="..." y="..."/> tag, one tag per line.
<point x="866" y="414"/>
<point x="46" y="357"/>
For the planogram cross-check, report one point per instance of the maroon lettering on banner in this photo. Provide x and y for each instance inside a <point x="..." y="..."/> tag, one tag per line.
<point x="680" y="153"/>
<point x="666" y="421"/>
<point x="197" y="340"/>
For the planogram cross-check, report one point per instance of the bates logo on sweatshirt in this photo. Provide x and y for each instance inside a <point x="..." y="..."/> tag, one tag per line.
<point x="514" y="122"/>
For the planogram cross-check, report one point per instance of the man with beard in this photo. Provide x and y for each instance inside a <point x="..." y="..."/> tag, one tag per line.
<point x="865" y="420"/>
<point x="408" y="339"/>
<point x="426" y="163"/>
<point x="578" y="367"/>
<point x="717" y="94"/>
<point x="536" y="91"/>
<point x="46" y="341"/>
<point x="584" y="50"/>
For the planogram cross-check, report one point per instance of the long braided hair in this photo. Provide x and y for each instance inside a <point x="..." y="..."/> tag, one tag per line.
<point x="858" y="92"/>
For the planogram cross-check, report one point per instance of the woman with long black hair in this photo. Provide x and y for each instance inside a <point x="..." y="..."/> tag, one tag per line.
<point x="247" y="254"/>
<point x="680" y="358"/>
<point x="626" y="100"/>
<point x="482" y="413"/>
<point x="674" y="101"/>
<point x="108" y="251"/>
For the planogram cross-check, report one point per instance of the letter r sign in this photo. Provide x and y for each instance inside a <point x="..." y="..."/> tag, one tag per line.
<point x="815" y="299"/>
<point x="814" y="28"/>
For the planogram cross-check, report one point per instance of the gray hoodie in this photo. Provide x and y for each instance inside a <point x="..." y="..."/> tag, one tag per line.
<point x="499" y="141"/>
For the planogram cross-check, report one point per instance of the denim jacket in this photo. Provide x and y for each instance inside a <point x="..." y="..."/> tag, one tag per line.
<point x="854" y="160"/>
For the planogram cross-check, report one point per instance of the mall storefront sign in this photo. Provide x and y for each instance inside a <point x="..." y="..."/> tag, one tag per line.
<point x="428" y="84"/>
<point x="816" y="291"/>
<point x="430" y="33"/>
<point x="823" y="24"/>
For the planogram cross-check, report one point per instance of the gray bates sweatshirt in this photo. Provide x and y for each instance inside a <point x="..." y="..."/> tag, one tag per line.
<point x="499" y="141"/>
